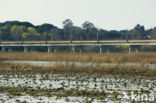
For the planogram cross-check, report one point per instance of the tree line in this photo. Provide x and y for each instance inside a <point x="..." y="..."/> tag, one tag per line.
<point x="24" y="31"/>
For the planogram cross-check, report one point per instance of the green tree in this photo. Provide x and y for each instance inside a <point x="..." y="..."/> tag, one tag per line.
<point x="88" y="25"/>
<point x="5" y="33"/>
<point x="68" y="26"/>
<point x="31" y="34"/>
<point x="89" y="30"/>
<point x="16" y="32"/>
<point x="153" y="33"/>
<point x="138" y="32"/>
<point x="67" y="23"/>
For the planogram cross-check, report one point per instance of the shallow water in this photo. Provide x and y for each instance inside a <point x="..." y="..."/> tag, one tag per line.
<point x="114" y="86"/>
<point x="110" y="84"/>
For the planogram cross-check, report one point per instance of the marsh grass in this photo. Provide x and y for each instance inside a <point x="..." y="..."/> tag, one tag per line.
<point x="72" y="69"/>
<point x="141" y="57"/>
<point x="80" y="77"/>
<point x="19" y="91"/>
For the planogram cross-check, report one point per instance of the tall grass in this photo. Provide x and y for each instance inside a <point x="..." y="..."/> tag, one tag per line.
<point x="58" y="68"/>
<point x="85" y="57"/>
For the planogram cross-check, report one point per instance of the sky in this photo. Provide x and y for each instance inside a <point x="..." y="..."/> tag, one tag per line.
<point x="106" y="14"/>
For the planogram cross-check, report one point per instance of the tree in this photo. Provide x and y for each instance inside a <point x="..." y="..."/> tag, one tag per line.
<point x="17" y="31"/>
<point x="88" y="25"/>
<point x="45" y="27"/>
<point x="31" y="34"/>
<point x="90" y="30"/>
<point x="103" y="34"/>
<point x="153" y="33"/>
<point x="138" y="32"/>
<point x="123" y="34"/>
<point x="77" y="32"/>
<point x="113" y="34"/>
<point x="12" y="23"/>
<point x="5" y="33"/>
<point x="56" y="34"/>
<point x="68" y="25"/>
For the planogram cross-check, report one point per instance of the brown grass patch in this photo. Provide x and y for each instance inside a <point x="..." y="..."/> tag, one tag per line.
<point x="142" y="71"/>
<point x="86" y="57"/>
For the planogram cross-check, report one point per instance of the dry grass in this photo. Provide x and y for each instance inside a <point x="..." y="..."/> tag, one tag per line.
<point x="86" y="57"/>
<point x="136" y="71"/>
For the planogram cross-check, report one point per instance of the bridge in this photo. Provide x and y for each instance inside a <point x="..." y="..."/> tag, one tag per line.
<point x="5" y="45"/>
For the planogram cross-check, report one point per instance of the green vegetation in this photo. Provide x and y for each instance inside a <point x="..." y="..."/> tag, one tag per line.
<point x="19" y="31"/>
<point x="25" y="31"/>
<point x="18" y="91"/>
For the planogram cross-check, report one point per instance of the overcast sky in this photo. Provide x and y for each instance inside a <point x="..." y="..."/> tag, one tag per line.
<point x="106" y="14"/>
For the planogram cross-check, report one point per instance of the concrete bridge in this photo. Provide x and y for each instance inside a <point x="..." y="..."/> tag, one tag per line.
<point x="5" y="45"/>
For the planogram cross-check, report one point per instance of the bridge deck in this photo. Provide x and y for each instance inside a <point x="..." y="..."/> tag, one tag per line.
<point x="78" y="43"/>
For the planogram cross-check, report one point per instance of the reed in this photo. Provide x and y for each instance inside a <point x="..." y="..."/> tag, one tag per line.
<point x="141" y="57"/>
<point x="71" y="69"/>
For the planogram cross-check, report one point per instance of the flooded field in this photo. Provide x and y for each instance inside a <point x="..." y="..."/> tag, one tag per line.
<point x="77" y="78"/>
<point x="29" y="87"/>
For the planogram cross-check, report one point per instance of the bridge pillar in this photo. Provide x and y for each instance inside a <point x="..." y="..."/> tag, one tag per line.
<point x="26" y="49"/>
<point x="32" y="49"/>
<point x="4" y="49"/>
<point x="101" y="49"/>
<point x="108" y="49"/>
<point x="134" y="47"/>
<point x="81" y="50"/>
<point x="138" y="48"/>
<point x="10" y="50"/>
<point x="50" y="49"/>
<point x="74" y="49"/>
<point x="130" y="49"/>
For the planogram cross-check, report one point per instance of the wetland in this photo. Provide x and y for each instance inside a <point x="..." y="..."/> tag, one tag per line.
<point x="25" y="83"/>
